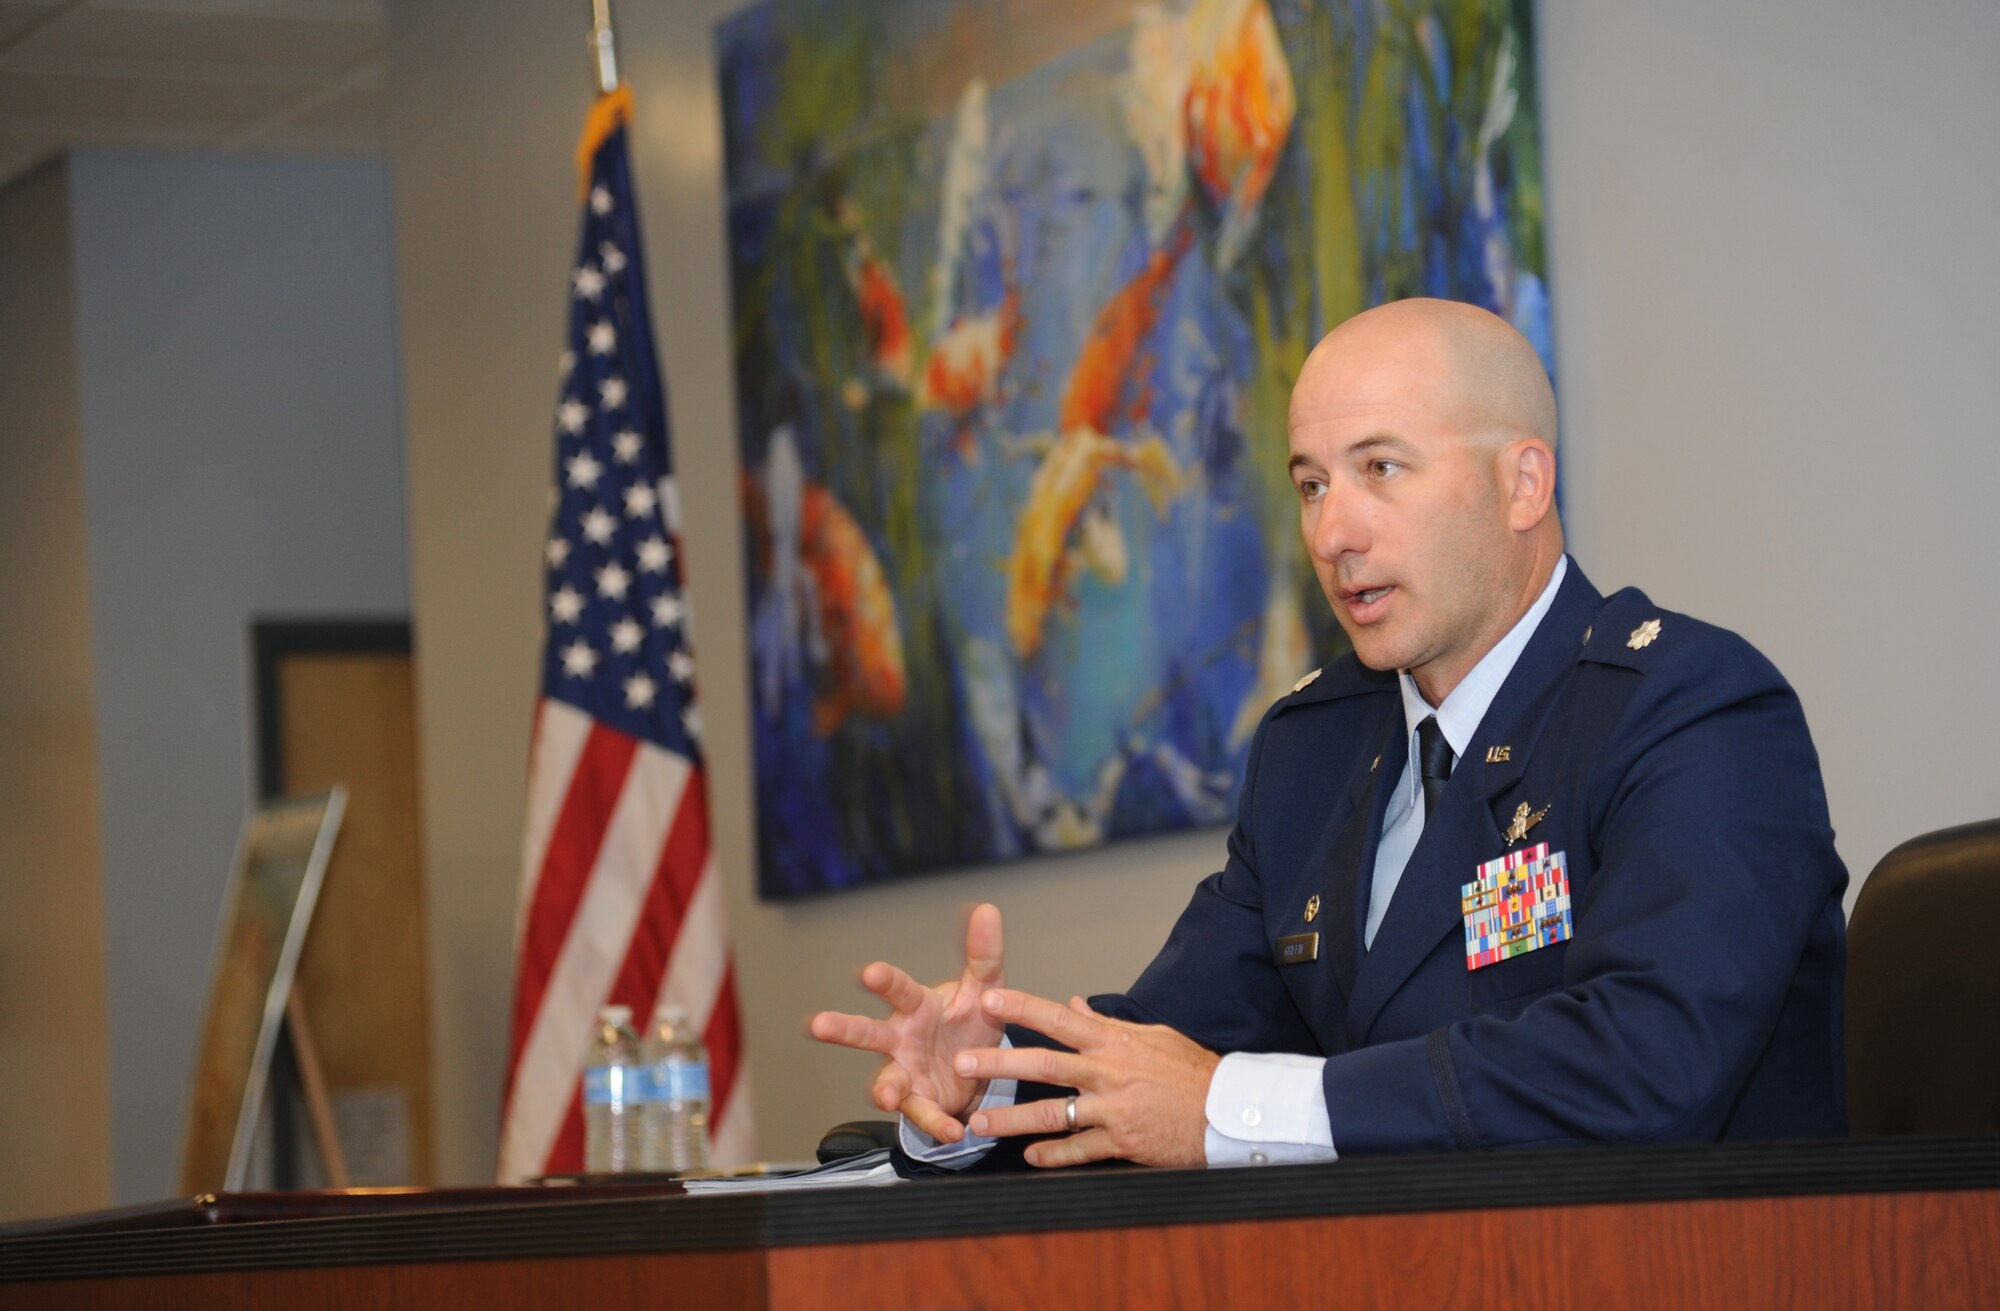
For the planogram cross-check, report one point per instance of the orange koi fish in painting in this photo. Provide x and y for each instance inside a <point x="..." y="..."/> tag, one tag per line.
<point x="826" y="603"/>
<point x="860" y="644"/>
<point x="885" y="319"/>
<point x="1097" y="383"/>
<point x="1042" y="563"/>
<point x="1240" y="106"/>
<point x="963" y="372"/>
<point x="1040" y="568"/>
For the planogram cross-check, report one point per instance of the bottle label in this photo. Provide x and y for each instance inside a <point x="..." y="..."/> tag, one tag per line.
<point x="608" y="1085"/>
<point x="683" y="1083"/>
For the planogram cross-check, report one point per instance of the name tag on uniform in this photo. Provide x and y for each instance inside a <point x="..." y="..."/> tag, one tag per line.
<point x="1298" y="949"/>
<point x="1518" y="903"/>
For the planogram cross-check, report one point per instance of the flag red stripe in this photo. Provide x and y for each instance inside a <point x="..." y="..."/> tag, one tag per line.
<point x="566" y="1153"/>
<point x="725" y="1049"/>
<point x="574" y="843"/>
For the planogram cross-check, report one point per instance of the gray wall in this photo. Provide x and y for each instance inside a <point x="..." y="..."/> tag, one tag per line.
<point x="1773" y="272"/>
<point x="1776" y="280"/>
<point x="55" y="1149"/>
<point x="242" y="457"/>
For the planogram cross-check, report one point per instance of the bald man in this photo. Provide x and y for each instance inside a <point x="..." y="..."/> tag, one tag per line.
<point x="1531" y="866"/>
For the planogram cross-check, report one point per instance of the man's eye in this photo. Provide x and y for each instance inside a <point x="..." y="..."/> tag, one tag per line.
<point x="1311" y="489"/>
<point x="1382" y="468"/>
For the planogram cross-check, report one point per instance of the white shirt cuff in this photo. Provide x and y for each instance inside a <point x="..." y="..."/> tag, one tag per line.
<point x="920" y="1146"/>
<point x="1268" y="1108"/>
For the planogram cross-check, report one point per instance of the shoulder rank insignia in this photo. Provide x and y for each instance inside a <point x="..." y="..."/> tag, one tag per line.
<point x="1523" y="821"/>
<point x="1642" y="636"/>
<point x="1307" y="681"/>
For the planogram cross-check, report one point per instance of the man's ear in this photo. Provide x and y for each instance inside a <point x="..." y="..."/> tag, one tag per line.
<point x="1528" y="472"/>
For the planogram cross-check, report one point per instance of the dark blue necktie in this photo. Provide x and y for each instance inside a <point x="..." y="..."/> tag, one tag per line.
<point x="1434" y="760"/>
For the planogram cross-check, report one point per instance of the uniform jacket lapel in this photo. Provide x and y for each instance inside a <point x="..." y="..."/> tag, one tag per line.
<point x="1347" y="849"/>
<point x="1426" y="904"/>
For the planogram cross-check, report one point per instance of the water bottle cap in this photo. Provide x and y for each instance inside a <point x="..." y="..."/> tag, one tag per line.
<point x="672" y="1013"/>
<point x="615" y="1014"/>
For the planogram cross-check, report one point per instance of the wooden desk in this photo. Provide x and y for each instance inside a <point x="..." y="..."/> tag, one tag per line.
<point x="1882" y="1223"/>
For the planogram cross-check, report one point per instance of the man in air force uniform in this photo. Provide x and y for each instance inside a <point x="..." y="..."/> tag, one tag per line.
<point x="1533" y="865"/>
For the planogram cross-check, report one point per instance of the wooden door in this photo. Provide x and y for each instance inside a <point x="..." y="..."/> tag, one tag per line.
<point x="337" y="705"/>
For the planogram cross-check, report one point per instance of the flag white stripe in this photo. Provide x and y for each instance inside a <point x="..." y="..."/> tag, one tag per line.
<point x="561" y="730"/>
<point x="694" y="974"/>
<point x="735" y="1141"/>
<point x="583" y="972"/>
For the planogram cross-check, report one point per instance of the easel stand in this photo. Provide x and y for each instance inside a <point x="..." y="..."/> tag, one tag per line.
<point x="312" y="1083"/>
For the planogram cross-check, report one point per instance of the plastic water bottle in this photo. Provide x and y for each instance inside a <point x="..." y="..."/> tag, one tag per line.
<point x="612" y="1118"/>
<point x="677" y="1118"/>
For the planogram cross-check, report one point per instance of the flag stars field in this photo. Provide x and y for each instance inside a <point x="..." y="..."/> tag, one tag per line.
<point x="584" y="471"/>
<point x="566" y="606"/>
<point x="579" y="659"/>
<point x="598" y="526"/>
<point x="613" y="582"/>
<point x="640" y="501"/>
<point x="603" y="338"/>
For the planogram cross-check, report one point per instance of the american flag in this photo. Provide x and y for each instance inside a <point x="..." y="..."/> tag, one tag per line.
<point x="620" y="897"/>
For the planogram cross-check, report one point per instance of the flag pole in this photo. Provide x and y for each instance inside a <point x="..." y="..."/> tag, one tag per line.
<point x="604" y="46"/>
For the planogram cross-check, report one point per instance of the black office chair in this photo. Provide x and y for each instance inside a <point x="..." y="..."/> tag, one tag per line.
<point x="1923" y="988"/>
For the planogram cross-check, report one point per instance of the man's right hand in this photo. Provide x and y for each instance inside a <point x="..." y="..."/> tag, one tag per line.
<point x="925" y="1032"/>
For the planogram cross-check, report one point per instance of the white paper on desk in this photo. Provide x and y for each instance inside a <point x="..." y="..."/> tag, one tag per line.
<point x="868" y="1170"/>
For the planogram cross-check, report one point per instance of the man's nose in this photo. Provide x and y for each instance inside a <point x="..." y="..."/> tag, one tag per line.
<point x="1336" y="526"/>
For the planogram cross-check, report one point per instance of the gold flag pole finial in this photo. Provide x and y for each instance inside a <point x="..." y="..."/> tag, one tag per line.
<point x="604" y="46"/>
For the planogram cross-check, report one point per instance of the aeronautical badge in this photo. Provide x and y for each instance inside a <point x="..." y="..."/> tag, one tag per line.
<point x="1516" y="904"/>
<point x="1524" y="819"/>
<point x="1642" y="636"/>
<point x="1305" y="682"/>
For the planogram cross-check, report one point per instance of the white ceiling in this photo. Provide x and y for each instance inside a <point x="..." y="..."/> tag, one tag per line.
<point x="208" y="74"/>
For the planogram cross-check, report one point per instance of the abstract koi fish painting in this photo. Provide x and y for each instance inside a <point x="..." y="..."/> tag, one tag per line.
<point x="1020" y="289"/>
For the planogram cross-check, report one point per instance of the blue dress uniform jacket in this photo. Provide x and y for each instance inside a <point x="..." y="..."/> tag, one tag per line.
<point x="1700" y="996"/>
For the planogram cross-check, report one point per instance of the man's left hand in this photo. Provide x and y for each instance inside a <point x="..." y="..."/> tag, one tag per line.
<point x="1142" y="1089"/>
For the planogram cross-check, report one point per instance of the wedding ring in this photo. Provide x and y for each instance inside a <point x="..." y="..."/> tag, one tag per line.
<point x="1069" y="1112"/>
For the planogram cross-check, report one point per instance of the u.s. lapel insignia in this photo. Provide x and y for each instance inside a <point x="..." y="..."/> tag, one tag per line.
<point x="1524" y="819"/>
<point x="1373" y="763"/>
<point x="1499" y="755"/>
<point x="1312" y="908"/>
<point x="1305" y="682"/>
<point x="1642" y="636"/>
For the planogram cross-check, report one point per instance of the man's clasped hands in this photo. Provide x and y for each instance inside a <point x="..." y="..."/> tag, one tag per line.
<point x="1140" y="1088"/>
